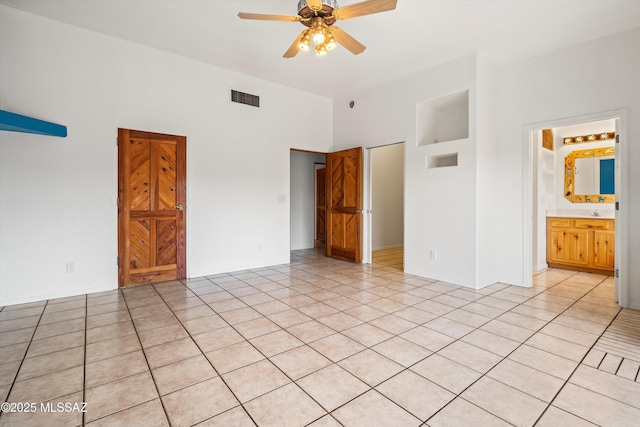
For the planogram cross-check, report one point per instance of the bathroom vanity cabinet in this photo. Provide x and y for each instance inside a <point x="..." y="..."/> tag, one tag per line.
<point x="583" y="244"/>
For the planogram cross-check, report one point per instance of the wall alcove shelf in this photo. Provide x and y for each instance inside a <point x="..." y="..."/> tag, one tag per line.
<point x="18" y="123"/>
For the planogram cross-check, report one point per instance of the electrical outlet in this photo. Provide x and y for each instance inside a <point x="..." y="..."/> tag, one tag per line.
<point x="433" y="254"/>
<point x="71" y="267"/>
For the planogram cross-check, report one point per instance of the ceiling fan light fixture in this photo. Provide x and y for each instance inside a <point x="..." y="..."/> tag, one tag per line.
<point x="330" y="42"/>
<point x="305" y="42"/>
<point x="321" y="49"/>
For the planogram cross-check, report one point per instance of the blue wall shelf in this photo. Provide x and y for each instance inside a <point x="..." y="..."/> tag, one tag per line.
<point x="18" y="123"/>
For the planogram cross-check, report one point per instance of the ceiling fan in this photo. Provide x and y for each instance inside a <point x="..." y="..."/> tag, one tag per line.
<point x="319" y="16"/>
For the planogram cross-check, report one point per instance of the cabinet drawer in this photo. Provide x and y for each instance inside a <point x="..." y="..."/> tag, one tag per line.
<point x="593" y="224"/>
<point x="558" y="222"/>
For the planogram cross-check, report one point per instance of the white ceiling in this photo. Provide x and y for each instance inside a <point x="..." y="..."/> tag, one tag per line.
<point x="415" y="36"/>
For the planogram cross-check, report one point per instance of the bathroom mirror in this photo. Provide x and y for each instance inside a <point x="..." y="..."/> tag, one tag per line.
<point x="589" y="176"/>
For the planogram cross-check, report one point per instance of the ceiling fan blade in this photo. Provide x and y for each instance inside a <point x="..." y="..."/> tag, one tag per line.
<point x="353" y="45"/>
<point x="293" y="49"/>
<point x="364" y="8"/>
<point x="262" y="17"/>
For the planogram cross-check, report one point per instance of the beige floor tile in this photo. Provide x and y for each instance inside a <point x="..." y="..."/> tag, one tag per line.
<point x="170" y="352"/>
<point x="490" y="342"/>
<point x="275" y="343"/>
<point x="300" y="361"/>
<point x="580" y="324"/>
<point x="461" y="413"/>
<point x="528" y="380"/>
<point x="8" y="372"/>
<point x="332" y="386"/>
<point x="310" y="331"/>
<point x="199" y="402"/>
<point x="255" y="327"/>
<point x="218" y="338"/>
<point x="317" y="310"/>
<point x="337" y="347"/>
<point x="151" y="412"/>
<point x="554" y="417"/>
<point x="204" y="324"/>
<point x="159" y="336"/>
<point x="449" y="327"/>
<point x="415" y="394"/>
<point x="365" y="313"/>
<point x="402" y="351"/>
<point x="104" y="319"/>
<point x="415" y="315"/>
<point x="47" y="387"/>
<point x="470" y="356"/>
<point x="234" y="356"/>
<point x="544" y="361"/>
<point x="236" y="417"/>
<point x="152" y="322"/>
<point x="150" y="310"/>
<point x="373" y="409"/>
<point x="446" y="373"/>
<point x="193" y="313"/>
<point x="255" y="380"/>
<point x="54" y="344"/>
<point x="51" y="362"/>
<point x="558" y="346"/>
<point x="594" y="358"/>
<point x="393" y="324"/>
<point x="629" y="369"/>
<point x="239" y="315"/>
<point x="572" y="335"/>
<point x="184" y="373"/>
<point x="17" y="336"/>
<point x="326" y="421"/>
<point x="288" y="318"/>
<point x="24" y="322"/>
<point x="53" y="329"/>
<point x="428" y="338"/>
<point x="119" y="395"/>
<point x="113" y="347"/>
<point x="435" y="307"/>
<point x="522" y="321"/>
<point x="610" y="363"/>
<point x="367" y="334"/>
<point x="467" y="318"/>
<point x="108" y="332"/>
<point x="340" y="321"/>
<point x="612" y="386"/>
<point x="484" y="310"/>
<point x="286" y="406"/>
<point x="505" y="402"/>
<point x="114" y="368"/>
<point x="596" y="408"/>
<point x="371" y="367"/>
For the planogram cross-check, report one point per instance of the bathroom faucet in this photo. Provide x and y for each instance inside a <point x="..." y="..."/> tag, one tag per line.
<point x="596" y="213"/>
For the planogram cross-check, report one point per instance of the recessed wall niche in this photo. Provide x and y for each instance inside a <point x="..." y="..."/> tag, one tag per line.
<point x="443" y="119"/>
<point x="442" y="160"/>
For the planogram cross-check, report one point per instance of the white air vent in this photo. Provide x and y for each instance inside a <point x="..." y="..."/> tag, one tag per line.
<point x="245" y="98"/>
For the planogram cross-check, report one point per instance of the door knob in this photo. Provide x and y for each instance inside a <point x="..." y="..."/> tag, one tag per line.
<point x="179" y="207"/>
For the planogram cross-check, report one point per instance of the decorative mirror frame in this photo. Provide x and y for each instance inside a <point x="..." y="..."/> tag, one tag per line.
<point x="569" y="176"/>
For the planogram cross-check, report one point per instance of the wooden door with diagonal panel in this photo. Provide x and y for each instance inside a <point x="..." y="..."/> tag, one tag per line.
<point x="151" y="207"/>
<point x="344" y="205"/>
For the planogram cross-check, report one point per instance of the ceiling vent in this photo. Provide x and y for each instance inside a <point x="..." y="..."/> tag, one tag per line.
<point x="245" y="98"/>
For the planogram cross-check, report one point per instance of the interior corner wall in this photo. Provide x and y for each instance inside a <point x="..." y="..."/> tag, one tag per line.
<point x="58" y="195"/>
<point x="303" y="201"/>
<point x="387" y="196"/>
<point x="549" y="87"/>
<point x="440" y="204"/>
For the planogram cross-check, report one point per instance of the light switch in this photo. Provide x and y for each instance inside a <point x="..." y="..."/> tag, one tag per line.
<point x="282" y="198"/>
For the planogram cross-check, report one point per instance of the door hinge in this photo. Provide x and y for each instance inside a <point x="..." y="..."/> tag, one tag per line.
<point x="617" y="206"/>
<point x="617" y="139"/>
<point x="118" y="261"/>
<point x="617" y="273"/>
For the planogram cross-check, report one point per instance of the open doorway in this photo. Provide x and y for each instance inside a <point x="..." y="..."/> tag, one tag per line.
<point x="385" y="204"/>
<point x="572" y="227"/>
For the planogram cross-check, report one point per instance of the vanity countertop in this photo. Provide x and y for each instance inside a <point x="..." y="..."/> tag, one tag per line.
<point x="608" y="214"/>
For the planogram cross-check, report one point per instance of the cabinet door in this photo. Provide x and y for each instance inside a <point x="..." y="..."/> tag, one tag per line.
<point x="569" y="247"/>
<point x="603" y="249"/>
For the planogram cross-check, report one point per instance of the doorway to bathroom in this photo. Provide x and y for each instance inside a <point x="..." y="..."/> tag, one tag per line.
<point x="574" y="222"/>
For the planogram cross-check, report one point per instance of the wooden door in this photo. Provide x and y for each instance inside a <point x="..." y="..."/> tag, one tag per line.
<point x="344" y="205"/>
<point x="321" y="208"/>
<point x="151" y="207"/>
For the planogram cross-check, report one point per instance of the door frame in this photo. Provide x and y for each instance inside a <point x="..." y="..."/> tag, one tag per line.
<point x="622" y="193"/>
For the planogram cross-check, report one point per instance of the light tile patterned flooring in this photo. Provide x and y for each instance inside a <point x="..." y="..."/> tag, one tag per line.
<point x="322" y="342"/>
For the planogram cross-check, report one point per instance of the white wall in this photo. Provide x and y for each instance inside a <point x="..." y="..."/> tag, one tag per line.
<point x="551" y="87"/>
<point x="440" y="204"/>
<point x="303" y="202"/>
<point x="387" y="196"/>
<point x="58" y="195"/>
